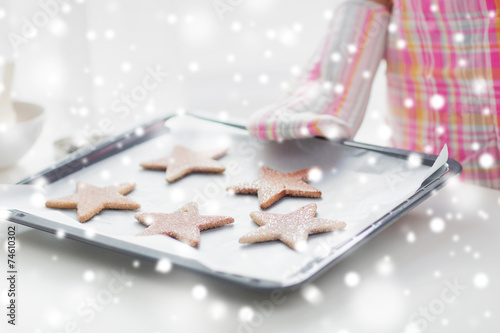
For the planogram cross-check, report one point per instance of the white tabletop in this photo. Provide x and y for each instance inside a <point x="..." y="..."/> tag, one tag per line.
<point x="445" y="281"/>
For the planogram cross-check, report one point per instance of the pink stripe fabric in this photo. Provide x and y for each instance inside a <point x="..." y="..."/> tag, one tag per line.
<point x="448" y="73"/>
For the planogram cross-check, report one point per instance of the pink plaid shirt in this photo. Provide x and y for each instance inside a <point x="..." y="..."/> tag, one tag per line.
<point x="443" y="73"/>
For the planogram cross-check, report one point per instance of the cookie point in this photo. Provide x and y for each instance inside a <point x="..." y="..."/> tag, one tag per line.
<point x="266" y="205"/>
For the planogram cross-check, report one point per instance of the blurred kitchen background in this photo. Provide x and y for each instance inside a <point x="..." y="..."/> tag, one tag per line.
<point x="228" y="57"/>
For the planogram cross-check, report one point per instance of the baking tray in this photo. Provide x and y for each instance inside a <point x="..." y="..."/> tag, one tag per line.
<point x="250" y="265"/>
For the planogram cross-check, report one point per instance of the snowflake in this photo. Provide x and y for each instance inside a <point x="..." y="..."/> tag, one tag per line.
<point x="437" y="102"/>
<point x="486" y="161"/>
<point x="246" y="314"/>
<point x="437" y="225"/>
<point x="217" y="310"/>
<point x="58" y="27"/>
<point x="98" y="81"/>
<point x="89" y="233"/>
<point x="459" y="37"/>
<point x="163" y="265"/>
<point x="199" y="292"/>
<point x="315" y="174"/>
<point x="336" y="57"/>
<point x="410" y="237"/>
<point x="194" y="67"/>
<point x="172" y="19"/>
<point x="339" y="88"/>
<point x="352" y="279"/>
<point x="263" y="79"/>
<point x="297" y="27"/>
<point x="271" y="34"/>
<point x="481" y="280"/>
<point x="385" y="266"/>
<point x="401" y="44"/>
<point x="408" y="103"/>
<point x="236" y="26"/>
<point x="91" y="35"/>
<point x="109" y="34"/>
<point x="414" y="160"/>
<point x="60" y="234"/>
<point x="37" y="200"/>
<point x="139" y="131"/>
<point x="177" y="194"/>
<point x="268" y="53"/>
<point x="295" y="70"/>
<point x="88" y="276"/>
<point x="126" y="67"/>
<point x="384" y="132"/>
<point x="105" y="174"/>
<point x="312" y="294"/>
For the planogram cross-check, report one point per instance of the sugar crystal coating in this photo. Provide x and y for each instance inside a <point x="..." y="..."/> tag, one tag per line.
<point x="184" y="224"/>
<point x="184" y="161"/>
<point x="292" y="229"/>
<point x="273" y="185"/>
<point x="89" y="200"/>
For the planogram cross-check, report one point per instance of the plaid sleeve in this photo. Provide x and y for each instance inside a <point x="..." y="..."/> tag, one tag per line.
<point x="331" y="98"/>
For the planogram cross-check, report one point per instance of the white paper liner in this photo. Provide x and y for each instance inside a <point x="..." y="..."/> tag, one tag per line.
<point x="359" y="187"/>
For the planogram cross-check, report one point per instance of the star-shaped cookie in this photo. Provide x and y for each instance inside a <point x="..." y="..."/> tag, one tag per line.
<point x="273" y="185"/>
<point x="89" y="200"/>
<point x="292" y="229"/>
<point x="184" y="161"/>
<point x="184" y="224"/>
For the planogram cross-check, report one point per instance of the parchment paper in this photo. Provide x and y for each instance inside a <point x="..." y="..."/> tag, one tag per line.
<point x="358" y="186"/>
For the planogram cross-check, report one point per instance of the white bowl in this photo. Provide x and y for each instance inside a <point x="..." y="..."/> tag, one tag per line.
<point x="17" y="140"/>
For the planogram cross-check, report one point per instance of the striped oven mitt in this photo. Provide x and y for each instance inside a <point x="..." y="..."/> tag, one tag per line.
<point x="331" y="98"/>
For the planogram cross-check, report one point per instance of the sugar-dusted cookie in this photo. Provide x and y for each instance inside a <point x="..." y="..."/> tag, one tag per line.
<point x="292" y="229"/>
<point x="89" y="200"/>
<point x="184" y="224"/>
<point x="273" y="185"/>
<point x="184" y="161"/>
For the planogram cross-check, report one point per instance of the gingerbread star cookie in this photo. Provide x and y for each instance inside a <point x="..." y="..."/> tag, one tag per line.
<point x="273" y="185"/>
<point x="89" y="200"/>
<point x="184" y="161"/>
<point x="292" y="229"/>
<point x="184" y="224"/>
